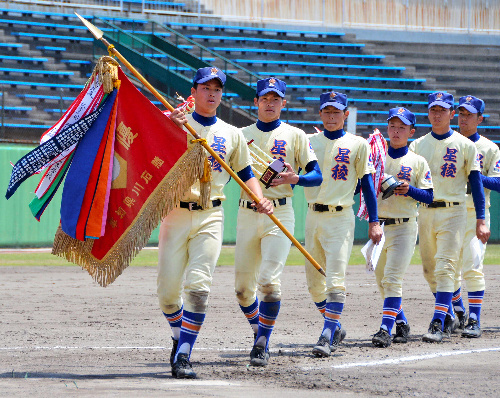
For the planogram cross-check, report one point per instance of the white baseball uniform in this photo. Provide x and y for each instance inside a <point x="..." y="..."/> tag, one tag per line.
<point x="261" y="247"/>
<point x="441" y="230"/>
<point x="190" y="241"/>
<point x="400" y="237"/>
<point x="330" y="234"/>
<point x="489" y="161"/>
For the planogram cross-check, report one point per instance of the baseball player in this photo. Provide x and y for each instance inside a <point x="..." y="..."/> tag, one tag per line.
<point x="261" y="247"/>
<point x="470" y="110"/>
<point x="343" y="158"/>
<point x="398" y="215"/>
<point x="452" y="159"/>
<point x="190" y="236"/>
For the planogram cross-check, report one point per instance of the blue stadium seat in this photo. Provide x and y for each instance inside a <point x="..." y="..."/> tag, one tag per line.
<point x="52" y="37"/>
<point x="319" y="65"/>
<point x="11" y="45"/>
<point x="45" y="97"/>
<point x="50" y="48"/>
<point x="37" y="72"/>
<point x="341" y="77"/>
<point x="40" y="84"/>
<point x="301" y="53"/>
<point x="386" y="102"/>
<point x="21" y="59"/>
<point x="265" y="40"/>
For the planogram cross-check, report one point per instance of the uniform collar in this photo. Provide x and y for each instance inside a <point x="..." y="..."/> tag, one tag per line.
<point x="203" y="120"/>
<point x="269" y="126"/>
<point x="443" y="136"/>
<point x="397" y="153"/>
<point x="474" y="137"/>
<point x="333" y="135"/>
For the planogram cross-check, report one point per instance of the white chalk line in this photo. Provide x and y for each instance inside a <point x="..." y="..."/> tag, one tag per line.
<point x="395" y="361"/>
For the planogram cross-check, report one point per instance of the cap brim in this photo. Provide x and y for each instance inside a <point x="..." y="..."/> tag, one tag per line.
<point x="337" y="105"/>
<point x="208" y="78"/>
<point x="439" y="103"/>
<point x="469" y="107"/>
<point x="268" y="90"/>
<point x="402" y="118"/>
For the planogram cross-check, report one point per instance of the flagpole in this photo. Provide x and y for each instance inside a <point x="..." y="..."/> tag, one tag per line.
<point x="98" y="34"/>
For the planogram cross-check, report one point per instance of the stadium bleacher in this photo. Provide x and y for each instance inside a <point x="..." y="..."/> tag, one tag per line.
<point x="47" y="57"/>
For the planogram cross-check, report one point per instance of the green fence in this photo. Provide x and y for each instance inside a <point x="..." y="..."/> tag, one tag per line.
<point x="19" y="228"/>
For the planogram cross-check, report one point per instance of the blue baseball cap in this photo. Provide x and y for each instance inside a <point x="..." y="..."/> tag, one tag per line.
<point x="332" y="98"/>
<point x="471" y="103"/>
<point x="203" y="75"/>
<point x="441" y="98"/>
<point x="402" y="114"/>
<point x="265" y="86"/>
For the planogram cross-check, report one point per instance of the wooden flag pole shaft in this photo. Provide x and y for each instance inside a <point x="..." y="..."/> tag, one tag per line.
<point x="114" y="51"/>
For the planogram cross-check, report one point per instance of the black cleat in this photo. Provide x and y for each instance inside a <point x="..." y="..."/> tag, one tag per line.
<point x="402" y="333"/>
<point x="322" y="348"/>
<point x="381" y="339"/>
<point x="175" y="343"/>
<point x="462" y="319"/>
<point x="338" y="336"/>
<point x="450" y="325"/>
<point x="259" y="356"/>
<point x="182" y="368"/>
<point x="472" y="330"/>
<point x="434" y="334"/>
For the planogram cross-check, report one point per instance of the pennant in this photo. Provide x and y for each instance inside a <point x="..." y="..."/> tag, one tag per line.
<point x="153" y="166"/>
<point x="81" y="166"/>
<point x="49" y="150"/>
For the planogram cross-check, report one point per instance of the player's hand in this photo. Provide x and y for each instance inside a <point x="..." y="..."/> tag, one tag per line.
<point x="375" y="232"/>
<point x="287" y="177"/>
<point x="178" y="117"/>
<point x="403" y="188"/>
<point x="264" y="206"/>
<point x="482" y="231"/>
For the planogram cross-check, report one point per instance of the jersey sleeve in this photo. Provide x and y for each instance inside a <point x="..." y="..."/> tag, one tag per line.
<point x="240" y="158"/>
<point x="364" y="164"/>
<point x="412" y="146"/>
<point x="471" y="158"/>
<point x="304" y="152"/>
<point x="424" y="178"/>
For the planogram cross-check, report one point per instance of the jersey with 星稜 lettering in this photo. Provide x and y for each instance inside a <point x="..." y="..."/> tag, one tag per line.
<point x="228" y="142"/>
<point x="450" y="160"/>
<point x="342" y="162"/>
<point x="286" y="143"/>
<point x="413" y="169"/>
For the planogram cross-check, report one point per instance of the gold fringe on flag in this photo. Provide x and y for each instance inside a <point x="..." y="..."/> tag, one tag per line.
<point x="188" y="169"/>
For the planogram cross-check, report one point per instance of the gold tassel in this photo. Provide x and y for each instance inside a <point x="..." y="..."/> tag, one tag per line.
<point x="106" y="71"/>
<point x="205" y="185"/>
<point x="165" y="197"/>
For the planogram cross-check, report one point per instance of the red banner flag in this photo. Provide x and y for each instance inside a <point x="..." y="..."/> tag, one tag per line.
<point x="152" y="168"/>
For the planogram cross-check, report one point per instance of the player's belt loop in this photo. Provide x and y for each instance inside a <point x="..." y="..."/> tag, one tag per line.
<point x="192" y="206"/>
<point x="435" y="205"/>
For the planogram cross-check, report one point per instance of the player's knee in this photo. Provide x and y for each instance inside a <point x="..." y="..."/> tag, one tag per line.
<point x="197" y="301"/>
<point x="336" y="297"/>
<point x="245" y="297"/>
<point x="270" y="293"/>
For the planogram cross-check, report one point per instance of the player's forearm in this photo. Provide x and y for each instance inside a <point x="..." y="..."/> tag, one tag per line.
<point x="421" y="195"/>
<point x="370" y="197"/>
<point x="313" y="176"/>
<point x="492" y="183"/>
<point x="476" y="184"/>
<point x="254" y="186"/>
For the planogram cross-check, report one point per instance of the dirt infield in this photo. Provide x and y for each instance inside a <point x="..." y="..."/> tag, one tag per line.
<point x="63" y="334"/>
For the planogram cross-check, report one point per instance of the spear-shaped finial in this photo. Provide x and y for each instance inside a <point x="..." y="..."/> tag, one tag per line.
<point x="98" y="33"/>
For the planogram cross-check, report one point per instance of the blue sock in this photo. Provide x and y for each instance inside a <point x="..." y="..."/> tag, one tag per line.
<point x="175" y="321"/>
<point x="268" y="312"/>
<point x="252" y="313"/>
<point x="457" y="301"/>
<point x="475" y="303"/>
<point x="321" y="307"/>
<point x="401" y="318"/>
<point x="191" y="325"/>
<point x="332" y="317"/>
<point x="391" y="308"/>
<point x="442" y="305"/>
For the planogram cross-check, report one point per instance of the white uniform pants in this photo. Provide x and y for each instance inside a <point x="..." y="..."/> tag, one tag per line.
<point x="261" y="253"/>
<point x="329" y="238"/>
<point x="189" y="247"/>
